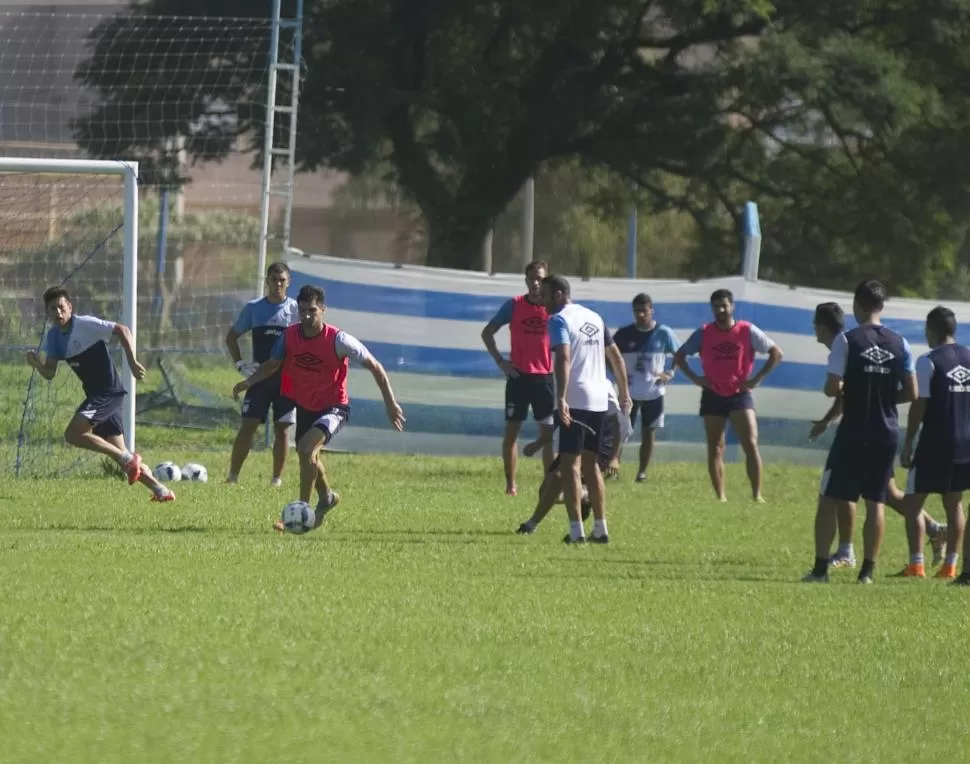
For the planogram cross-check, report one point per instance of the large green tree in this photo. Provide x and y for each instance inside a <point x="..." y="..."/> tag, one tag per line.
<point x="843" y="118"/>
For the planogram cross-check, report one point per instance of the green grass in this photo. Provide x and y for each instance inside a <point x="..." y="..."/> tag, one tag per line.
<point x="417" y="627"/>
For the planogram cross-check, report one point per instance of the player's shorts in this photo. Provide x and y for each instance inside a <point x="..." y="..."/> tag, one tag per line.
<point x="713" y="404"/>
<point x="584" y="433"/>
<point x="105" y="413"/>
<point x="264" y="394"/>
<point x="605" y="452"/>
<point x="651" y="414"/>
<point x="331" y="421"/>
<point x="938" y="476"/>
<point x="530" y="390"/>
<point x="853" y="470"/>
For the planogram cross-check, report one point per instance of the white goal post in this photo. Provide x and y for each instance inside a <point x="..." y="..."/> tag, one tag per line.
<point x="128" y="173"/>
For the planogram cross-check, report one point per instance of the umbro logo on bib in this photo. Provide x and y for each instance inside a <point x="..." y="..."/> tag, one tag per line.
<point x="960" y="375"/>
<point x="878" y="358"/>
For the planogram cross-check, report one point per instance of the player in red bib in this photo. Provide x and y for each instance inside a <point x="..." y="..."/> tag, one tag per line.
<point x="314" y="357"/>
<point x="528" y="371"/>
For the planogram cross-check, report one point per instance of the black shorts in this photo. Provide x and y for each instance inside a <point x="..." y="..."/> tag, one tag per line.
<point x="713" y="404"/>
<point x="264" y="394"/>
<point x="854" y="470"/>
<point x="605" y="453"/>
<point x="331" y="421"/>
<point x="525" y="390"/>
<point x="651" y="414"/>
<point x="937" y="476"/>
<point x="585" y="432"/>
<point x="105" y="413"/>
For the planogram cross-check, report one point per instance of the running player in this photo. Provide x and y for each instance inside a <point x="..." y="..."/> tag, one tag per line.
<point x="727" y="348"/>
<point x="871" y="368"/>
<point x="645" y="345"/>
<point x="82" y="341"/>
<point x="582" y="346"/>
<point x="314" y="357"/>
<point x="613" y="437"/>
<point x="942" y="461"/>
<point x="266" y="318"/>
<point x="829" y="322"/>
<point x="529" y="370"/>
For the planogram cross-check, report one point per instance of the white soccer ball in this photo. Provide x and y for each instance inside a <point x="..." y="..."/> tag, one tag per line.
<point x="195" y="472"/>
<point x="167" y="472"/>
<point x="298" y="517"/>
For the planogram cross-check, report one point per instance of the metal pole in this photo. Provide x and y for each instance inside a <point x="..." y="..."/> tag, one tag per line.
<point x="130" y="297"/>
<point x="268" y="127"/>
<point x="528" y="220"/>
<point x="487" y="253"/>
<point x="162" y="249"/>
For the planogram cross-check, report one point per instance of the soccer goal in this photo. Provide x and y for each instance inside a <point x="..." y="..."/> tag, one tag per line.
<point x="70" y="223"/>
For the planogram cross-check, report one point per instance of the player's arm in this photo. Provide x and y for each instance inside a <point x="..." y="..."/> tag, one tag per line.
<point x="350" y="347"/>
<point x="501" y="318"/>
<point x="617" y="441"/>
<point x="672" y="346"/>
<point x="615" y="359"/>
<point x="559" y="345"/>
<point x="914" y="420"/>
<point x="46" y="368"/>
<point x="237" y="330"/>
<point x="835" y="367"/>
<point x="127" y="342"/>
<point x="910" y="386"/>
<point x="266" y="369"/>
<point x="689" y="348"/>
<point x="761" y="343"/>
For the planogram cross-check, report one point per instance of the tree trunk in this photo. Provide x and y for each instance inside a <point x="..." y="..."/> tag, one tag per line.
<point x="456" y="241"/>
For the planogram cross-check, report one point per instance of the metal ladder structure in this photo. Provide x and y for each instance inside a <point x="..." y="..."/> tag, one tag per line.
<point x="274" y="187"/>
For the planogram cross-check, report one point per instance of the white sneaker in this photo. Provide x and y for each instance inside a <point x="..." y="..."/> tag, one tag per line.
<point x="842" y="562"/>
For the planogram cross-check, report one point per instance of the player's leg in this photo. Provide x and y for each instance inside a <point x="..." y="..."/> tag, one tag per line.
<point x="160" y="491"/>
<point x="570" y="448"/>
<point x="516" y="409"/>
<point x="255" y="409"/>
<point x="329" y="423"/>
<point x="543" y="401"/>
<point x="593" y="477"/>
<point x="936" y="532"/>
<point x="714" y="426"/>
<point x="839" y="486"/>
<point x="80" y="433"/>
<point x="912" y="504"/>
<point x="745" y="424"/>
<point x="652" y="419"/>
<point x="844" y="556"/>
<point x="548" y="494"/>
<point x="284" y="416"/>
<point x="956" y="525"/>
<point x="876" y="469"/>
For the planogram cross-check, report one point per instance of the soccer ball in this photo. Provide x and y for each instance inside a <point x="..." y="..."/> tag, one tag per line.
<point x="298" y="517"/>
<point x="195" y="472"/>
<point x="167" y="472"/>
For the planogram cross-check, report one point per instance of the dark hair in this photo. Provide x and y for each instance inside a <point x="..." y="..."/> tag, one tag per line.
<point x="870" y="296"/>
<point x="831" y="316"/>
<point x="557" y="284"/>
<point x="54" y="294"/>
<point x="535" y="265"/>
<point x="942" y="322"/>
<point x="311" y="293"/>
<point x="279" y="269"/>
<point x="722" y="294"/>
<point x="642" y="299"/>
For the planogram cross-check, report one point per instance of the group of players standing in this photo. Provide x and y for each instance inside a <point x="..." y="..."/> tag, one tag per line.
<point x="559" y="354"/>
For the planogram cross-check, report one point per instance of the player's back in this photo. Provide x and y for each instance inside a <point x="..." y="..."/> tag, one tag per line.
<point x="587" y="348"/>
<point x="876" y="361"/>
<point x="946" y="422"/>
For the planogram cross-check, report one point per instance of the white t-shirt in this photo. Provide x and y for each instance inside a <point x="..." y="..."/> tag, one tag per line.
<point x="587" y="336"/>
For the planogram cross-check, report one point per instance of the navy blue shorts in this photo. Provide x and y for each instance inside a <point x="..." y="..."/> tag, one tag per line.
<point x="651" y="414"/>
<point x="713" y="404"/>
<point x="605" y="452"/>
<point x="585" y="432"/>
<point x="530" y="390"/>
<point x="264" y="394"/>
<point x="937" y="476"/>
<point x="854" y="470"/>
<point x="105" y="413"/>
<point x="330" y="421"/>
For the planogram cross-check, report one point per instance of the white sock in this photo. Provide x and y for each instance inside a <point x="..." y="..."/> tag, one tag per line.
<point x="599" y="528"/>
<point x="846" y="550"/>
<point x="916" y="559"/>
<point x="127" y="456"/>
<point x="576" y="530"/>
<point x="951" y="559"/>
<point x="276" y="481"/>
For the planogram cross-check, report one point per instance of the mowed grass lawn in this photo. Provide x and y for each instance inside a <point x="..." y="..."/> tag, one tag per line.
<point x="416" y="626"/>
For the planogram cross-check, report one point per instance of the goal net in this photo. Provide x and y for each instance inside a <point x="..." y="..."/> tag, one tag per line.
<point x="68" y="224"/>
<point x="184" y="98"/>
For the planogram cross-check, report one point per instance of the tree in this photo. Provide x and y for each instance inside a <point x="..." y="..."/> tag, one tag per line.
<point x="840" y="118"/>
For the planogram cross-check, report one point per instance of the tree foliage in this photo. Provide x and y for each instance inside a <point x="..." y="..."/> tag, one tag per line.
<point x="844" y="119"/>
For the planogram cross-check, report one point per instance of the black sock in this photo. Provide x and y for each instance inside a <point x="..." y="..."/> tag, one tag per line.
<point x="821" y="567"/>
<point x="867" y="567"/>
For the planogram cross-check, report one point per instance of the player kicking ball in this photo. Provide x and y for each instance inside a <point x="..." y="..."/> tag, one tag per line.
<point x="616" y="430"/>
<point x="941" y="463"/>
<point x="315" y="358"/>
<point x="82" y="341"/>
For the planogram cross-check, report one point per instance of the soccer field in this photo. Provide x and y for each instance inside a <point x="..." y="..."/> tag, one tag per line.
<point x="416" y="626"/>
